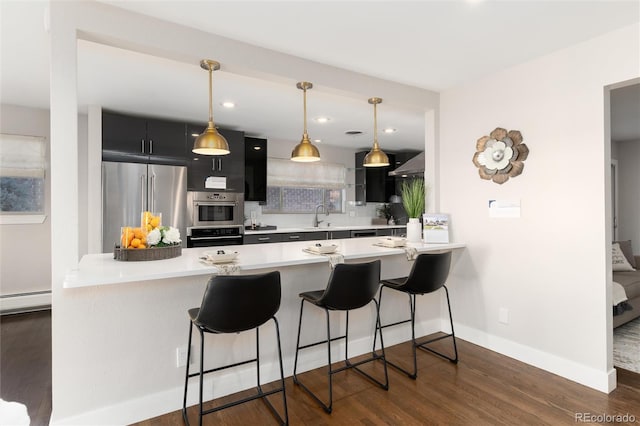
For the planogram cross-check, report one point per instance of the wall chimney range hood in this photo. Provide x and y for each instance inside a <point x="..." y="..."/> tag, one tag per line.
<point x="414" y="166"/>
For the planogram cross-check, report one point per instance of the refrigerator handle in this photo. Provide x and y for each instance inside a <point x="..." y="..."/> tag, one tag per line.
<point x="152" y="190"/>
<point x="142" y="194"/>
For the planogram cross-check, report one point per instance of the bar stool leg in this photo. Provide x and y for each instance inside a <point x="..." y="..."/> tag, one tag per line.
<point x="412" y="303"/>
<point x="258" y="359"/>
<point x="453" y="334"/>
<point x="424" y="346"/>
<point x="325" y="407"/>
<point x="378" y="323"/>
<point x="329" y="407"/>
<point x="284" y="394"/>
<point x="295" y="362"/>
<point x="201" y="373"/>
<point x="186" y="377"/>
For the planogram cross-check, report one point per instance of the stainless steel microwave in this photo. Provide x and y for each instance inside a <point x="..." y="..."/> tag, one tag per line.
<point x="215" y="209"/>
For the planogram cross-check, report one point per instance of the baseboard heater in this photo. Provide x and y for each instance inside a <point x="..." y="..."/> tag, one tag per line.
<point x="25" y="302"/>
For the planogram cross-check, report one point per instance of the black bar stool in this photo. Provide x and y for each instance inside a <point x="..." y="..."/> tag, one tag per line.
<point x="428" y="274"/>
<point x="232" y="304"/>
<point x="351" y="286"/>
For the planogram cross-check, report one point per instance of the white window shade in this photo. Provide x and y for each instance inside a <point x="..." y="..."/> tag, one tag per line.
<point x="22" y="156"/>
<point x="305" y="175"/>
<point x="22" y="179"/>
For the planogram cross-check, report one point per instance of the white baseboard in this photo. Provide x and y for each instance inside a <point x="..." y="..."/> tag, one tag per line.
<point x="579" y="373"/>
<point x="24" y="302"/>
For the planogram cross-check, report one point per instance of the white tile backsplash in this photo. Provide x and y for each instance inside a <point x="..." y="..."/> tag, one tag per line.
<point x="362" y="216"/>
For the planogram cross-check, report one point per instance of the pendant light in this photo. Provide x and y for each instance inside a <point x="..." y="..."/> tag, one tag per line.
<point x="210" y="142"/>
<point x="376" y="157"/>
<point x="305" y="151"/>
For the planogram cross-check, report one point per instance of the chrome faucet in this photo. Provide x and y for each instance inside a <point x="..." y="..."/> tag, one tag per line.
<point x="317" y="222"/>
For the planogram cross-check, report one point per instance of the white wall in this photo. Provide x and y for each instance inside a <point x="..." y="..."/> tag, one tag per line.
<point x="25" y="250"/>
<point x="629" y="192"/>
<point x="548" y="267"/>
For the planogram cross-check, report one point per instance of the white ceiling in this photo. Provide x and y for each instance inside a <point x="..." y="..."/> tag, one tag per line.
<point x="433" y="45"/>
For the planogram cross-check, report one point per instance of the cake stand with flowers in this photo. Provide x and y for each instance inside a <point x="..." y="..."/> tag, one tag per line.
<point x="149" y="241"/>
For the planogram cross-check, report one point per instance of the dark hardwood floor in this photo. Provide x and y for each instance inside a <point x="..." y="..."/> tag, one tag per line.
<point x="25" y="362"/>
<point x="484" y="388"/>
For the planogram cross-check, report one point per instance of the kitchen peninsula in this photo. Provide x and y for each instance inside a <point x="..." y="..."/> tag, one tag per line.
<point x="131" y="319"/>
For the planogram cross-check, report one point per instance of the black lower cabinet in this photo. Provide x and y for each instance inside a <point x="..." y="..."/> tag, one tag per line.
<point x="336" y="235"/>
<point x="262" y="238"/>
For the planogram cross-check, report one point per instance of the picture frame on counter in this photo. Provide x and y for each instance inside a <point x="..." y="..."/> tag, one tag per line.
<point x="435" y="228"/>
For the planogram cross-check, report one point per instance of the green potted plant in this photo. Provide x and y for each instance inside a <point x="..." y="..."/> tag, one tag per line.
<point x="413" y="196"/>
<point x="384" y="212"/>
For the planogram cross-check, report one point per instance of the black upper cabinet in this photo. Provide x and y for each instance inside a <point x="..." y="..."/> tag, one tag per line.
<point x="373" y="184"/>
<point x="255" y="169"/>
<point x="142" y="140"/>
<point x="230" y="166"/>
<point x="166" y="140"/>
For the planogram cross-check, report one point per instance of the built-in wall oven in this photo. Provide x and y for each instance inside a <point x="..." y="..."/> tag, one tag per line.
<point x="215" y="218"/>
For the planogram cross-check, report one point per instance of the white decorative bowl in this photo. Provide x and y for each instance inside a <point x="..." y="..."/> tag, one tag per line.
<point x="393" y="242"/>
<point x="323" y="248"/>
<point x="226" y="257"/>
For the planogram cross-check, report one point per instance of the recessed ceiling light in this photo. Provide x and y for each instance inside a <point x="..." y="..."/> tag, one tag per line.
<point x="317" y="140"/>
<point x="389" y="130"/>
<point x="228" y="104"/>
<point x="321" y="119"/>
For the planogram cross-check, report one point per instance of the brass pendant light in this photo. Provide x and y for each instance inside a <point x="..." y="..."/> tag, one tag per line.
<point x="376" y="157"/>
<point x="210" y="142"/>
<point x="305" y="151"/>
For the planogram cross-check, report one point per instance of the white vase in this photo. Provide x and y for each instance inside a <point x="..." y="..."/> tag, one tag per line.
<point x="414" y="231"/>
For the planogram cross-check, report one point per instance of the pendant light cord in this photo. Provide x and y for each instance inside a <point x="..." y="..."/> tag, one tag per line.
<point x="210" y="94"/>
<point x="304" y="97"/>
<point x="375" y="126"/>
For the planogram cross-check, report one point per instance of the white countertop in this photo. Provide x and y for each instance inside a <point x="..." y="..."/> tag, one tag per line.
<point x="321" y="229"/>
<point x="103" y="269"/>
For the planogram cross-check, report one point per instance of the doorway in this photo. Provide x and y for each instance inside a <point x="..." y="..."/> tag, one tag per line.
<point x="622" y="134"/>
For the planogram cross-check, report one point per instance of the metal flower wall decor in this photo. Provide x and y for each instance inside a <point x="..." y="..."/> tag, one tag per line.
<point x="500" y="155"/>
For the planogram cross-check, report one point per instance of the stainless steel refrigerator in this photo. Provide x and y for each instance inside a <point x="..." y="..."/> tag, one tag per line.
<point x="128" y="189"/>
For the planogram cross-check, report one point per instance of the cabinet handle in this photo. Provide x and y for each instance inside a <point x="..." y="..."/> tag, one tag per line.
<point x="264" y="238"/>
<point x="213" y="164"/>
<point x="220" y="164"/>
<point x="294" y="237"/>
<point x="150" y="146"/>
<point x="142" y="146"/>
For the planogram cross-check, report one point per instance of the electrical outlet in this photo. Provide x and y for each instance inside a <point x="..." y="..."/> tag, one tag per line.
<point x="181" y="356"/>
<point x="503" y="316"/>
